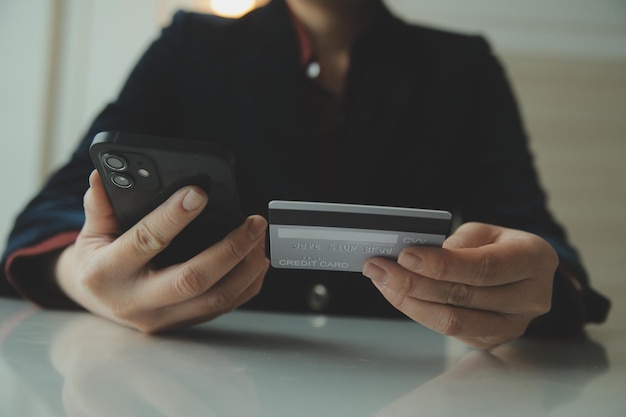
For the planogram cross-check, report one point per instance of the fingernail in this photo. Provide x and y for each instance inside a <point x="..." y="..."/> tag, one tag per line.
<point x="256" y="227"/>
<point x="193" y="200"/>
<point x="92" y="177"/>
<point x="411" y="261"/>
<point x="375" y="273"/>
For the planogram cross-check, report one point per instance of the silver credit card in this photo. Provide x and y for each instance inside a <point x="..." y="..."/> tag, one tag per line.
<point x="341" y="237"/>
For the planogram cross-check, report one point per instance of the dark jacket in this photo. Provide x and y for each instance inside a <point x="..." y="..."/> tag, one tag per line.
<point x="431" y="123"/>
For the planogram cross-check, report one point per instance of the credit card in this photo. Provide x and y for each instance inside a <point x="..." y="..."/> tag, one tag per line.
<point x="341" y="237"/>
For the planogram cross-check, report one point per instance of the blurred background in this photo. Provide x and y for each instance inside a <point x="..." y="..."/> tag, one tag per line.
<point x="62" y="60"/>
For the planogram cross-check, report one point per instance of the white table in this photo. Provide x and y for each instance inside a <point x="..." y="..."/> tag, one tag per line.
<point x="263" y="364"/>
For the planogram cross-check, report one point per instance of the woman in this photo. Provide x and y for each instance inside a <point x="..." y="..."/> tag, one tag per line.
<point x="320" y="100"/>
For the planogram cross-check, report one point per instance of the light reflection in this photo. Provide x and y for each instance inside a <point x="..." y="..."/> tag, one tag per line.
<point x="318" y="321"/>
<point x="231" y="8"/>
<point x="227" y="8"/>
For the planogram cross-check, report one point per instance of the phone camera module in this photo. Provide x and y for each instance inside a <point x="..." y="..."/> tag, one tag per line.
<point x="114" y="162"/>
<point x="121" y="180"/>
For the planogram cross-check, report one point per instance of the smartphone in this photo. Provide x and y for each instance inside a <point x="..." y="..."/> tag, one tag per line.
<point x="139" y="172"/>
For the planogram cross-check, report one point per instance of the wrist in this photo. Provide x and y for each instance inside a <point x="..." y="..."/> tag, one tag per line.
<point x="63" y="270"/>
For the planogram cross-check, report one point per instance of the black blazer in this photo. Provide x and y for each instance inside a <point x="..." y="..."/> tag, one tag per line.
<point x="431" y="123"/>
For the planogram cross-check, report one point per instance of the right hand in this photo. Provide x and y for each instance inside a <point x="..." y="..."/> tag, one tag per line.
<point x="111" y="275"/>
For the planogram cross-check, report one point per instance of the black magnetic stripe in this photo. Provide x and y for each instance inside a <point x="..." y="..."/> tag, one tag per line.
<point x="359" y="221"/>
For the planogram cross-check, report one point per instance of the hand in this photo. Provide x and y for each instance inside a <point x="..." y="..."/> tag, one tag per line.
<point x="111" y="275"/>
<point x="484" y="286"/>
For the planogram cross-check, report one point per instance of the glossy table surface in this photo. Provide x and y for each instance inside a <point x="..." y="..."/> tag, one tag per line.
<point x="262" y="364"/>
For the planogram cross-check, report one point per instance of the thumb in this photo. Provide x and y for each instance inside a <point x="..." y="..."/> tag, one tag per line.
<point x="472" y="235"/>
<point x="99" y="215"/>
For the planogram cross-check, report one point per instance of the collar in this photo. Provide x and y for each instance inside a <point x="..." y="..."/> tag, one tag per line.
<point x="305" y="44"/>
<point x="383" y="21"/>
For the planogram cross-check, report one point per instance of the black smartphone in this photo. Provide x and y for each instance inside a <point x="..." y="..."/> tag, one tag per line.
<point x="139" y="172"/>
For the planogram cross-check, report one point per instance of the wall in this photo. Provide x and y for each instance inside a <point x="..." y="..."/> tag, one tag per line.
<point x="24" y="97"/>
<point x="585" y="28"/>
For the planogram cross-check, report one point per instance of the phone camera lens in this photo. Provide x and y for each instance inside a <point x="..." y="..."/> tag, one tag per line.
<point x="114" y="162"/>
<point x="121" y="180"/>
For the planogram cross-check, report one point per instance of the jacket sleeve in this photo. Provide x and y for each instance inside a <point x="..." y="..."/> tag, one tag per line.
<point x="502" y="187"/>
<point x="52" y="219"/>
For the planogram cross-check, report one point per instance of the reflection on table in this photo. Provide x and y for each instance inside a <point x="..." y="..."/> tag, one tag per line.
<point x="262" y="364"/>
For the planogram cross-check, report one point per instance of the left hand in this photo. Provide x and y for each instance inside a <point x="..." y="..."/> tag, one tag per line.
<point x="483" y="287"/>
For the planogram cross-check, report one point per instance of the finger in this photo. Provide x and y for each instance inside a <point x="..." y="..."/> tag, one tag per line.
<point x="196" y="311"/>
<point x="459" y="322"/>
<point x="99" y="216"/>
<point x="515" y="298"/>
<point x="231" y="292"/>
<point x="238" y="283"/>
<point x="142" y="242"/>
<point x="508" y="261"/>
<point x="194" y="277"/>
